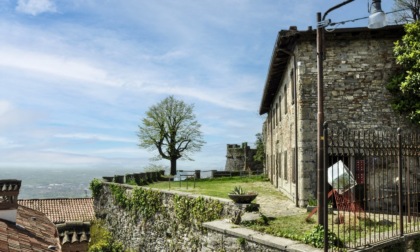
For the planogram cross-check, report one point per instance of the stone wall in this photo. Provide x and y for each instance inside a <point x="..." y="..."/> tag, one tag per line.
<point x="241" y="158"/>
<point x="165" y="232"/>
<point x="358" y="63"/>
<point x="224" y="236"/>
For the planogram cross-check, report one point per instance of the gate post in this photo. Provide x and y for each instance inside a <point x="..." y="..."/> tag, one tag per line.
<point x="325" y="187"/>
<point x="400" y="183"/>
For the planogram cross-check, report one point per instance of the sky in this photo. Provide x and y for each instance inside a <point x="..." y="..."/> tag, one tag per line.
<point x="77" y="77"/>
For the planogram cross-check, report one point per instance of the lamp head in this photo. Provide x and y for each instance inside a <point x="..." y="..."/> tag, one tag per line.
<point x="377" y="17"/>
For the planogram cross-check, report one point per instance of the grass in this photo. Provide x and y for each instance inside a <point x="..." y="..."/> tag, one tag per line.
<point x="221" y="187"/>
<point x="293" y="227"/>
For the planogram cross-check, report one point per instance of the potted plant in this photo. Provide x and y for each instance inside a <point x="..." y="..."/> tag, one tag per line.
<point x="238" y="195"/>
<point x="312" y="204"/>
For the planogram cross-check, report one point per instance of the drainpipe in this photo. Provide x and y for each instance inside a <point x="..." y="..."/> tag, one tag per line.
<point x="291" y="54"/>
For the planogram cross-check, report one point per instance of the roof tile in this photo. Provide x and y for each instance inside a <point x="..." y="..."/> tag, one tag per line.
<point x="28" y="233"/>
<point x="63" y="210"/>
<point x="72" y="216"/>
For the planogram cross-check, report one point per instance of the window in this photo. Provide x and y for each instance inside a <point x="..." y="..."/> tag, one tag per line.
<point x="294" y="166"/>
<point x="273" y="167"/>
<point x="285" y="99"/>
<point x="277" y="107"/>
<point x="279" y="162"/>
<point x="292" y="81"/>
<point x="277" y="170"/>
<point x="271" y="120"/>
<point x="280" y="108"/>
<point x="267" y="165"/>
<point x="273" y="117"/>
<point x="285" y="166"/>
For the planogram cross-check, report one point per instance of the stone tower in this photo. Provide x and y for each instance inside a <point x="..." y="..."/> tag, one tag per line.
<point x="241" y="158"/>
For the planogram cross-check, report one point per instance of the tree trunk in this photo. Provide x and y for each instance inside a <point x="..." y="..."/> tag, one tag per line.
<point x="173" y="166"/>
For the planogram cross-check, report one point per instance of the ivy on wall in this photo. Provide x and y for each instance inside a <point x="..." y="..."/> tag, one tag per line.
<point x="96" y="186"/>
<point x="166" y="215"/>
<point x="146" y="202"/>
<point x="143" y="203"/>
<point x="101" y="239"/>
<point x="196" y="210"/>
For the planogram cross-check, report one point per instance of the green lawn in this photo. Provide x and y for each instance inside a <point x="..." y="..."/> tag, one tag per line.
<point x="293" y="227"/>
<point x="220" y="187"/>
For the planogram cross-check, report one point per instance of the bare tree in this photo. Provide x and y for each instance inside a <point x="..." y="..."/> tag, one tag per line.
<point x="406" y="11"/>
<point x="170" y="128"/>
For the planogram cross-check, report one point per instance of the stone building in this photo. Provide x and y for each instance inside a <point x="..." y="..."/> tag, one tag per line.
<point x="241" y="158"/>
<point x="358" y="63"/>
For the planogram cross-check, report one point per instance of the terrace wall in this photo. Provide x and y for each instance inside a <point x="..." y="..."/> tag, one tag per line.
<point x="164" y="231"/>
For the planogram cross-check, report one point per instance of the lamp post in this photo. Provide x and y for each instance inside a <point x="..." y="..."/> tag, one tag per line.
<point x="377" y="19"/>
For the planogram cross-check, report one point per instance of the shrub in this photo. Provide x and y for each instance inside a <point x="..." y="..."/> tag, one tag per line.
<point x="102" y="241"/>
<point x="316" y="238"/>
<point x="96" y="186"/>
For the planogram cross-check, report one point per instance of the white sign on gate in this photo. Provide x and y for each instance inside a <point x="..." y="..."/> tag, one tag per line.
<point x="340" y="177"/>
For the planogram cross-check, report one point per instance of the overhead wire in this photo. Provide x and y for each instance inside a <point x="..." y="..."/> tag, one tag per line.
<point x="336" y="24"/>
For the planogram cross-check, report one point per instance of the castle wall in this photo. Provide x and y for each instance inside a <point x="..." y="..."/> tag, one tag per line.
<point x="241" y="158"/>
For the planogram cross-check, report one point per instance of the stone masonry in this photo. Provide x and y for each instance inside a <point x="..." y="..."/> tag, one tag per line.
<point x="162" y="233"/>
<point x="241" y="158"/>
<point x="358" y="63"/>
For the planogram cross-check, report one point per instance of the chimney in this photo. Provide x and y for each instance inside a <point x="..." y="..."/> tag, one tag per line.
<point x="9" y="191"/>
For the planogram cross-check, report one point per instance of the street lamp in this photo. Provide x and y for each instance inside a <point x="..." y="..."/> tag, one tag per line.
<point x="377" y="19"/>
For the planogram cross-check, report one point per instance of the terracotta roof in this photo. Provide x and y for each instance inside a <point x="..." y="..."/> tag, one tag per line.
<point x="63" y="209"/>
<point x="33" y="231"/>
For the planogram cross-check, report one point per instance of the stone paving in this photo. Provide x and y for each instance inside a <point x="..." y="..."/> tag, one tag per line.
<point x="272" y="206"/>
<point x="274" y="203"/>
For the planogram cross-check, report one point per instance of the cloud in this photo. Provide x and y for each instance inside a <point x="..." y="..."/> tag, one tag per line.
<point x="13" y="117"/>
<point x="145" y="70"/>
<point x="50" y="64"/>
<point x="6" y="143"/>
<point x="35" y="7"/>
<point x="123" y="151"/>
<point x="216" y="97"/>
<point x="39" y="158"/>
<point x="5" y="107"/>
<point x="96" y="137"/>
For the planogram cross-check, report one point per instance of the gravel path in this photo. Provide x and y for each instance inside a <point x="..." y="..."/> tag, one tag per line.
<point x="270" y="206"/>
<point x="273" y="203"/>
